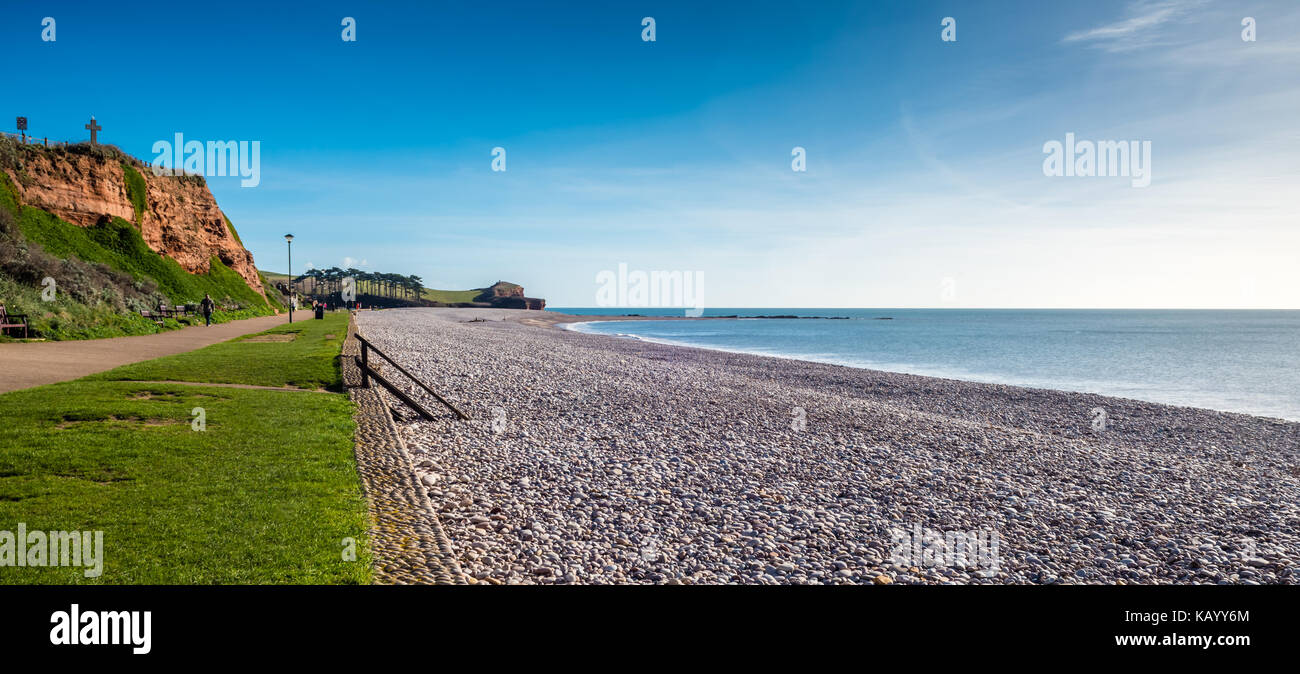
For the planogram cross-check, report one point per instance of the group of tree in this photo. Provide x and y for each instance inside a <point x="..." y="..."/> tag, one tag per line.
<point x="330" y="282"/>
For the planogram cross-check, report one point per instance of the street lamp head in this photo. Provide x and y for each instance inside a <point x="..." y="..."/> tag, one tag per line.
<point x="288" y="237"/>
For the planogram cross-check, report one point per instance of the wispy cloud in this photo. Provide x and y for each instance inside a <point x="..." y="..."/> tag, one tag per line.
<point x="1142" y="28"/>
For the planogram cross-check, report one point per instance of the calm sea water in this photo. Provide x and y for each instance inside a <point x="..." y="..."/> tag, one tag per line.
<point x="1237" y="361"/>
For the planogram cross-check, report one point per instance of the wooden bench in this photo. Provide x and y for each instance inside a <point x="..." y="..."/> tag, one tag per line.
<point x="8" y="321"/>
<point x="173" y="311"/>
<point x="155" y="317"/>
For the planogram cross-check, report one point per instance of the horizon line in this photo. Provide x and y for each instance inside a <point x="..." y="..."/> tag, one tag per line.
<point x="969" y="308"/>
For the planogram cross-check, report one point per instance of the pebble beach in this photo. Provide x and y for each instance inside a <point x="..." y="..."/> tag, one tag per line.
<point x="591" y="459"/>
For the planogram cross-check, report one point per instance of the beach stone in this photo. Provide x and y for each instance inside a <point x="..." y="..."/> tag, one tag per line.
<point x="646" y="463"/>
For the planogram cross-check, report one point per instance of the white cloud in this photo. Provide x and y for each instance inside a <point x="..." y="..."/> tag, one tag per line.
<point x="1142" y="28"/>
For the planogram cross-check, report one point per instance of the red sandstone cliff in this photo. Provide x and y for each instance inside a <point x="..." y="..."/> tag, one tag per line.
<point x="181" y="219"/>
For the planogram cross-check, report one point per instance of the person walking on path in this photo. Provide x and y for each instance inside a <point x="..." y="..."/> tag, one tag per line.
<point x="206" y="306"/>
<point x="29" y="364"/>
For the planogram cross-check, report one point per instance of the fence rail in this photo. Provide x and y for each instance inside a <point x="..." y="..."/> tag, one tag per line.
<point x="29" y="139"/>
<point x="368" y="373"/>
<point x="160" y="172"/>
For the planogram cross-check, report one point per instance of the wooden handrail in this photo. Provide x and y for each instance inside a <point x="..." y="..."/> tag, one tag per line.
<point x="364" y="361"/>
<point x="394" y="390"/>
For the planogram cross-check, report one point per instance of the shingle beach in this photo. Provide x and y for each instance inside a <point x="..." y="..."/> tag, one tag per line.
<point x="594" y="459"/>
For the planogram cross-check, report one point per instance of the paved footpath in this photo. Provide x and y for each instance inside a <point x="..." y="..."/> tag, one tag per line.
<point x="27" y="364"/>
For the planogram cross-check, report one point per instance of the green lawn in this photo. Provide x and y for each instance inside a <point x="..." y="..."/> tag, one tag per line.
<point x="305" y="362"/>
<point x="266" y="493"/>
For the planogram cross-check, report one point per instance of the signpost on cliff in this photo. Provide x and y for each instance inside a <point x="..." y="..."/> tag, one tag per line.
<point x="22" y="128"/>
<point x="94" y="129"/>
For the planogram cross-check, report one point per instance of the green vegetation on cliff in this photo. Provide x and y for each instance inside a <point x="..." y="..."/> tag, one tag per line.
<point x="273" y="296"/>
<point x="231" y="226"/>
<point x="8" y="194"/>
<point x="118" y="244"/>
<point x="104" y="275"/>
<point x="135" y="191"/>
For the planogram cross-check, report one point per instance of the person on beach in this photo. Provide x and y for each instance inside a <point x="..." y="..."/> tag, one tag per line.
<point x="206" y="306"/>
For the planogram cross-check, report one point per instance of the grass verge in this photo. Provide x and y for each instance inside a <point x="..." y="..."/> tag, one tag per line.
<point x="307" y="361"/>
<point x="267" y="492"/>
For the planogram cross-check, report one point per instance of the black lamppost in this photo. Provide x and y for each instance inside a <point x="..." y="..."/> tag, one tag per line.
<point x="293" y="297"/>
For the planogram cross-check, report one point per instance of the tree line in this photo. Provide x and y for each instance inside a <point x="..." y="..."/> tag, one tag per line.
<point x="330" y="281"/>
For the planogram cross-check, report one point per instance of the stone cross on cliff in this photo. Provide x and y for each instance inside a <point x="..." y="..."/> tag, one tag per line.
<point x="94" y="128"/>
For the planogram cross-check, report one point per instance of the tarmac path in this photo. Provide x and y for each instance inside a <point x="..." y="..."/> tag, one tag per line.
<point x="27" y="364"/>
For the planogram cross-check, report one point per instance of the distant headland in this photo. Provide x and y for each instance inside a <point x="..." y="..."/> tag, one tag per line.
<point x="388" y="290"/>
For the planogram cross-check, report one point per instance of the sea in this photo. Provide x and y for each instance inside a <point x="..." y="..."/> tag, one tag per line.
<point x="1230" y="360"/>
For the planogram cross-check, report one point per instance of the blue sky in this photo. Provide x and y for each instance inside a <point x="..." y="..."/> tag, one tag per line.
<point x="924" y="157"/>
